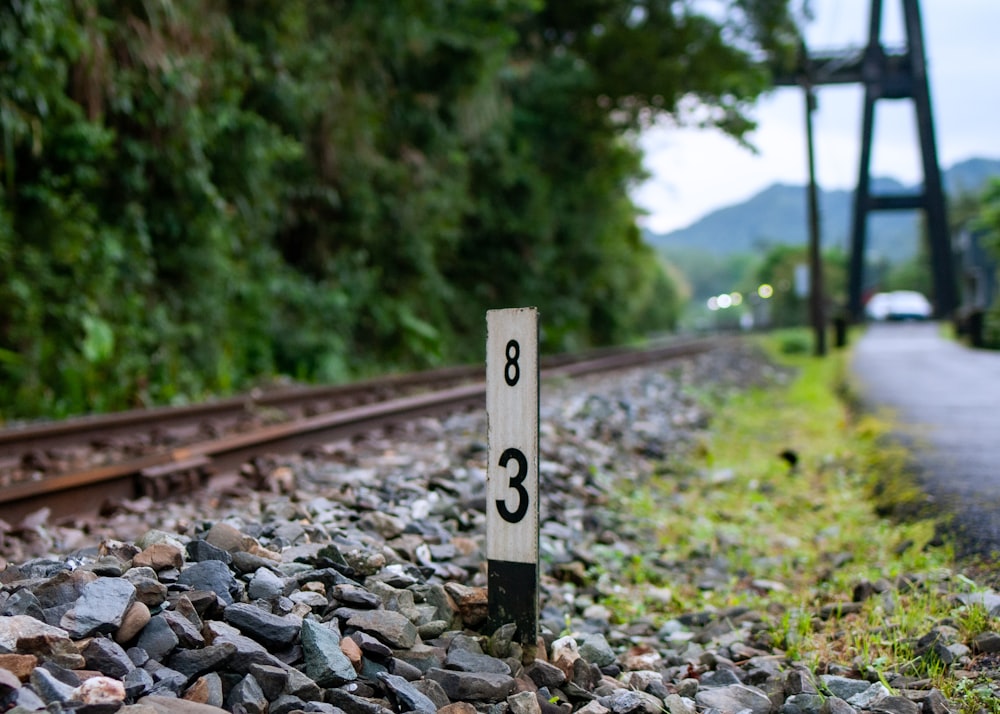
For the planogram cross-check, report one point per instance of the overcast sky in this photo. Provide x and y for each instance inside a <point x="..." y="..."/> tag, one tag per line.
<point x="696" y="171"/>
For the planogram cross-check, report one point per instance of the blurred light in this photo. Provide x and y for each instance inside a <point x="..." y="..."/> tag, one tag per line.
<point x="737" y="299"/>
<point x="724" y="301"/>
<point x="713" y="303"/>
<point x="765" y="291"/>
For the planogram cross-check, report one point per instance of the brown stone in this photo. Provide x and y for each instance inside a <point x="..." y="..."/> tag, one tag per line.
<point x="170" y="705"/>
<point x="159" y="556"/>
<point x="198" y="692"/>
<point x="136" y="618"/>
<point x="351" y="650"/>
<point x="472" y="603"/>
<point x="20" y="665"/>
<point x="457" y="708"/>
<point x="230" y="539"/>
<point x="53" y="648"/>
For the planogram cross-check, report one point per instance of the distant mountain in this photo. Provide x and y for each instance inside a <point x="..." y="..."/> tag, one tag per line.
<point x="777" y="215"/>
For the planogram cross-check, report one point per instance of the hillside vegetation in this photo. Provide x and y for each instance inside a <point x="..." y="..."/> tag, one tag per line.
<point x="777" y="215"/>
<point x="199" y="194"/>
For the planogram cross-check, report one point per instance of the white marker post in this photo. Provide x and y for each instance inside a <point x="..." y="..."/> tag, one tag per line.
<point x="512" y="470"/>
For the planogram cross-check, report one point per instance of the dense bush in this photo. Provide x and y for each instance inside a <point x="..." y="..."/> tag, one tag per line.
<point x="199" y="194"/>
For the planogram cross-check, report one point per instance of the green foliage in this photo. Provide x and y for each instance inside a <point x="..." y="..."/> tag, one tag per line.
<point x="988" y="222"/>
<point x="778" y="268"/>
<point x="199" y="194"/>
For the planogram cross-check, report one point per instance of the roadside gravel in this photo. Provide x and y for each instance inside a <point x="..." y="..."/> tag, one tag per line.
<point x="356" y="583"/>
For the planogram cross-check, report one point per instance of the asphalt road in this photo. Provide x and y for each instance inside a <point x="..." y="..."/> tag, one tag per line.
<point x="946" y="399"/>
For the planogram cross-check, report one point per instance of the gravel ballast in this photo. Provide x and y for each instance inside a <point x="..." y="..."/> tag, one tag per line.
<point x="357" y="584"/>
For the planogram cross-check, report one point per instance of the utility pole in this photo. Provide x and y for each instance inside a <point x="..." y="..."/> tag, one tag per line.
<point x="816" y="297"/>
<point x="889" y="74"/>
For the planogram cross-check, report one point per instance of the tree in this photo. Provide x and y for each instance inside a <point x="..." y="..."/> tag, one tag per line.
<point x="199" y="194"/>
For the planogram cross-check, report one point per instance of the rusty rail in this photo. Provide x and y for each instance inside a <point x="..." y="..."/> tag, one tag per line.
<point x="189" y="467"/>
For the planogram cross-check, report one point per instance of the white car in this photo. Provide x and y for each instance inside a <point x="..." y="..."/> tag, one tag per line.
<point x="898" y="305"/>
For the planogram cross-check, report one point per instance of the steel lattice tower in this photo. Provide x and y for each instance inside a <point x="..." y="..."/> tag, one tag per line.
<point x="892" y="75"/>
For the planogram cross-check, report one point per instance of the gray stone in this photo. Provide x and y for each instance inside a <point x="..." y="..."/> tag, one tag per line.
<point x="63" y="587"/>
<point x="409" y="697"/>
<point x="188" y="634"/>
<point x="166" y="678"/>
<point x="595" y="707"/>
<point x="313" y="601"/>
<point x="148" y="588"/>
<point x="404" y="669"/>
<point x="214" y="576"/>
<point x="687" y="687"/>
<point x="803" y="703"/>
<point x="108" y="657"/>
<point x="629" y="701"/>
<point x="676" y="704"/>
<point x="354" y="704"/>
<point x="196" y="662"/>
<point x="986" y="643"/>
<point x="157" y="638"/>
<point x="49" y="687"/>
<point x="423" y="657"/>
<point x="8" y="683"/>
<point x="894" y="705"/>
<point x="172" y="705"/>
<point x="466" y="661"/>
<point x="200" y="550"/>
<point x="843" y="687"/>
<point x="473" y="686"/>
<point x="138" y="682"/>
<point x="734" y="698"/>
<point x="464" y="642"/>
<point x="250" y="652"/>
<point x="433" y="691"/>
<point x="265" y="585"/>
<point x="545" y="674"/>
<point x="867" y="698"/>
<point x="22" y="602"/>
<point x="940" y="635"/>
<point x="272" y="680"/>
<point x="951" y="654"/>
<point x="391" y="627"/>
<point x="27" y="700"/>
<point x="988" y="599"/>
<point x="936" y="703"/>
<point x="268" y="629"/>
<point x="836" y="705"/>
<point x="325" y="663"/>
<point x="16" y="627"/>
<point x="595" y="648"/>
<point x="321" y="708"/>
<point x="286" y="704"/>
<point x="722" y="677"/>
<point x="247" y="696"/>
<point x="799" y="681"/>
<point x="245" y="563"/>
<point x="524" y="703"/>
<point x="100" y="608"/>
<point x="371" y="646"/>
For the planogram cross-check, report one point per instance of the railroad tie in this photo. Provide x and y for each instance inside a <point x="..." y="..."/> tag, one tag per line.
<point x="182" y="476"/>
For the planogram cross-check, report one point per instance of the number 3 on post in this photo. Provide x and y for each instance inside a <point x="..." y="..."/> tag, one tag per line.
<point x="512" y="471"/>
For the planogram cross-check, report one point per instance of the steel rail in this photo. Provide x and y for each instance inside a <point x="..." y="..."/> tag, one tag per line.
<point x="186" y="468"/>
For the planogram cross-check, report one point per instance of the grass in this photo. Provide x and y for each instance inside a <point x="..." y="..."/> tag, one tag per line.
<point x="794" y="541"/>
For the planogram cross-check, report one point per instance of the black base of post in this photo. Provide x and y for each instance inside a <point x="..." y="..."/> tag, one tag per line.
<point x="513" y="593"/>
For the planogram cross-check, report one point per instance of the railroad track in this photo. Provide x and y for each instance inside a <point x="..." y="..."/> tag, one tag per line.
<point x="76" y="467"/>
